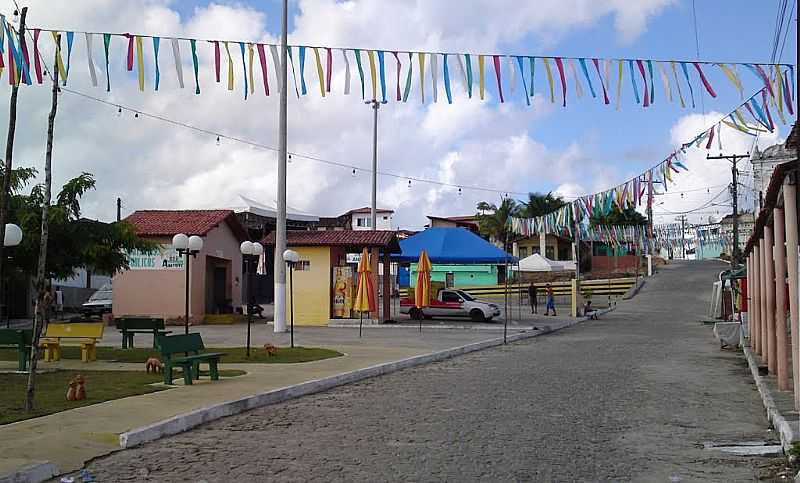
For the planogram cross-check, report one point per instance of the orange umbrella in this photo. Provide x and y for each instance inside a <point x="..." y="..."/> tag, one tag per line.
<point x="365" y="290"/>
<point x="422" y="291"/>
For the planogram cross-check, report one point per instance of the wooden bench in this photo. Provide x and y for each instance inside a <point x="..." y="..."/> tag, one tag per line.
<point x="171" y="346"/>
<point x="84" y="334"/>
<point x="21" y="339"/>
<point x="129" y="326"/>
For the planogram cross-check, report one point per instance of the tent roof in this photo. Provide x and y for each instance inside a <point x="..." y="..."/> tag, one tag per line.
<point x="451" y="246"/>
<point x="538" y="263"/>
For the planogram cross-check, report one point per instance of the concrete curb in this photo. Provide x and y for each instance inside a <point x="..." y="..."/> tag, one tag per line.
<point x="187" y="421"/>
<point x="32" y="473"/>
<point x="783" y="428"/>
<point x="634" y="290"/>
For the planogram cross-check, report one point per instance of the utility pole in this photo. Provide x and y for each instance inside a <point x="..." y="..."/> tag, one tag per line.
<point x="119" y="209"/>
<point x="733" y="159"/>
<point x="280" y="219"/>
<point x="8" y="165"/>
<point x="373" y="207"/>
<point x="682" y="219"/>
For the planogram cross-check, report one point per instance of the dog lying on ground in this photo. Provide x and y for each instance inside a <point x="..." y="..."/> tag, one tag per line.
<point x="153" y="365"/>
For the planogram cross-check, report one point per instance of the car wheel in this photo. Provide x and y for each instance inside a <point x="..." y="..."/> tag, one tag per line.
<point x="477" y="315"/>
<point x="415" y="314"/>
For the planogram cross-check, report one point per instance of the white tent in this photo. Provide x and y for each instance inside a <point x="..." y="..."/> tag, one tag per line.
<point x="538" y="263"/>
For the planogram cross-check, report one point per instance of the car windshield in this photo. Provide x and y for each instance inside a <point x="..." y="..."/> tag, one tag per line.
<point x="101" y="295"/>
<point x="465" y="296"/>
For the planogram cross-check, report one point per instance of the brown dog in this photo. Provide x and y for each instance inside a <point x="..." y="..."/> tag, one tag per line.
<point x="153" y="365"/>
<point x="77" y="389"/>
<point x="271" y="349"/>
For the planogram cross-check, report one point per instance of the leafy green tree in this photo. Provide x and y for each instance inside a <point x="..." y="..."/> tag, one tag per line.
<point x="495" y="222"/>
<point x="628" y="216"/>
<point x="539" y="204"/>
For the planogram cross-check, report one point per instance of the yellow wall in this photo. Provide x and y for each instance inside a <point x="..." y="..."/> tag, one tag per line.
<point x="312" y="288"/>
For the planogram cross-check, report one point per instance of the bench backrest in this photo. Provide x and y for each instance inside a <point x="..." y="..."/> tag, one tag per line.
<point x="16" y="336"/>
<point x="83" y="330"/>
<point x="172" y="344"/>
<point x="139" y="323"/>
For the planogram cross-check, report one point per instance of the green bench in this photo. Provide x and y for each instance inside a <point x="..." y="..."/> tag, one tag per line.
<point x="129" y="326"/>
<point x="191" y="345"/>
<point x="21" y="340"/>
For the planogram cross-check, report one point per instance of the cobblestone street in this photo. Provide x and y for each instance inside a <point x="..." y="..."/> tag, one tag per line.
<point x="632" y="396"/>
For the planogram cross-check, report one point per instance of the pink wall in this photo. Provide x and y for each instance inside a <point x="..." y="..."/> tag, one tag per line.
<point x="623" y="262"/>
<point x="162" y="292"/>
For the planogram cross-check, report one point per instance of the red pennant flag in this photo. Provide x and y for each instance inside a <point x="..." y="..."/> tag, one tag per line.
<point x="705" y="81"/>
<point x="37" y="64"/>
<point x="216" y="59"/>
<point x="262" y="58"/>
<point x="130" y="52"/>
<point x="496" y="59"/>
<point x="560" y="66"/>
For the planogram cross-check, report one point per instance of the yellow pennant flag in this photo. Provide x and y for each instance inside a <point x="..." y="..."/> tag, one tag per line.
<point x="230" y="67"/>
<point x="735" y="126"/>
<point x="251" y="53"/>
<point x="481" y="78"/>
<point x="421" y="58"/>
<point x="140" y="62"/>
<point x="731" y="75"/>
<point x="59" y="61"/>
<point x="619" y="83"/>
<point x="779" y="88"/>
<point x="321" y="74"/>
<point x="372" y="72"/>
<point x="549" y="73"/>
<point x="677" y="83"/>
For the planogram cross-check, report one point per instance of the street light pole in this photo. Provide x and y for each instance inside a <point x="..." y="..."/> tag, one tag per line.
<point x="280" y="219"/>
<point x="373" y="207"/>
<point x="250" y="255"/>
<point x="185" y="246"/>
<point x="291" y="257"/>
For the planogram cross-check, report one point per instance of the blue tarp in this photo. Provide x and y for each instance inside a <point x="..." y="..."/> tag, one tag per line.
<point x="451" y="246"/>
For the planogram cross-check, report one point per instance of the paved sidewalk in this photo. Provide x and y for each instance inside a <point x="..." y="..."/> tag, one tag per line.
<point x="70" y="438"/>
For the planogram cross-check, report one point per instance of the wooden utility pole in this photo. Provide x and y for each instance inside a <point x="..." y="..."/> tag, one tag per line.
<point x="43" y="299"/>
<point x="734" y="158"/>
<point x="8" y="165"/>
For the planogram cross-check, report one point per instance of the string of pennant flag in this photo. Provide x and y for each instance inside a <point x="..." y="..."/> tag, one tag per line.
<point x="751" y="117"/>
<point x="600" y="78"/>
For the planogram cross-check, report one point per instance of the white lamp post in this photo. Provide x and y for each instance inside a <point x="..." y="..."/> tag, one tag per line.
<point x="291" y="258"/>
<point x="251" y="252"/>
<point x="187" y="245"/>
<point x="13" y="238"/>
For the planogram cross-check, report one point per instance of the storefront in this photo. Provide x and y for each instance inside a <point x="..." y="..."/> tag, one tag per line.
<point x="155" y="284"/>
<point x="324" y="280"/>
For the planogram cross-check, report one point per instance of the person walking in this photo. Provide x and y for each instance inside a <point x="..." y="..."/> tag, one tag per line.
<point x="551" y="303"/>
<point x="532" y="296"/>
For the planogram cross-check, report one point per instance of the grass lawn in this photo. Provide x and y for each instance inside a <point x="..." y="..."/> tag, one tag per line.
<point x="285" y="355"/>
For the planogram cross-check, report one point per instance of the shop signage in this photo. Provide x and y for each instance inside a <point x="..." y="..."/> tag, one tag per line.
<point x="354" y="258"/>
<point x="163" y="258"/>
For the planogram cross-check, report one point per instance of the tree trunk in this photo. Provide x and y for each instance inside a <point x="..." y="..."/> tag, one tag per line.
<point x="12" y="128"/>
<point x="43" y="297"/>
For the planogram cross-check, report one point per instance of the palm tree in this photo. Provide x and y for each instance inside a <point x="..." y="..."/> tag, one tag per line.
<point x="628" y="216"/>
<point x="495" y="222"/>
<point x="539" y="204"/>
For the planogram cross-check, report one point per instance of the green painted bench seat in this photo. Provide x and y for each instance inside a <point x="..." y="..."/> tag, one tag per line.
<point x="20" y="339"/>
<point x="129" y="326"/>
<point x="185" y="351"/>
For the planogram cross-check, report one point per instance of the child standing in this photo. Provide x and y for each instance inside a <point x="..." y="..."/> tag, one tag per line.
<point x="551" y="303"/>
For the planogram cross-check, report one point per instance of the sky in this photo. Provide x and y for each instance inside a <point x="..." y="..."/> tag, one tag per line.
<point x="582" y="148"/>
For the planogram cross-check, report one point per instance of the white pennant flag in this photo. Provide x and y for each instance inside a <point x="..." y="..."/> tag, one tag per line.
<point x="665" y="80"/>
<point x="176" y="53"/>
<point x="462" y="70"/>
<point x="435" y="76"/>
<point x="273" y="49"/>
<point x="578" y="86"/>
<point x="92" y="72"/>
<point x="346" y="73"/>
<point x="512" y="78"/>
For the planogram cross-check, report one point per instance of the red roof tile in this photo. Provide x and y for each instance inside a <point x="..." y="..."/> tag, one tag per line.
<point x="367" y="209"/>
<point x="354" y="238"/>
<point x="152" y="223"/>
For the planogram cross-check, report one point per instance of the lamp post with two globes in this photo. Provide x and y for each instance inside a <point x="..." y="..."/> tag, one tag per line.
<point x="251" y="252"/>
<point x="291" y="258"/>
<point x="187" y="245"/>
<point x="12" y="238"/>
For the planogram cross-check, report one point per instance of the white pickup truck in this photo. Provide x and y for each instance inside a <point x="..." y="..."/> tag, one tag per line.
<point x="451" y="303"/>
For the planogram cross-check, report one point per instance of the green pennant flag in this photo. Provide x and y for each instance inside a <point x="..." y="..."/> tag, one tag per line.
<point x="196" y="66"/>
<point x="106" y="44"/>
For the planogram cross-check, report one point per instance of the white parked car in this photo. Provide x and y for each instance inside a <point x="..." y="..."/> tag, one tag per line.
<point x="452" y="303"/>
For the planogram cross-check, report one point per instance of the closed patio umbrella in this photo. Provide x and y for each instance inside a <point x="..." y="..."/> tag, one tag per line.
<point x="365" y="290"/>
<point x="422" y="291"/>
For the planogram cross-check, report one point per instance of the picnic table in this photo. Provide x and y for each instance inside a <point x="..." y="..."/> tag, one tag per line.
<point x="83" y="334"/>
<point x="21" y="340"/>
<point x="129" y="326"/>
<point x="191" y="345"/>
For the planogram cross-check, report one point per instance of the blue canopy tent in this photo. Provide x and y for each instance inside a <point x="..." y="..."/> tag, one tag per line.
<point x="451" y="246"/>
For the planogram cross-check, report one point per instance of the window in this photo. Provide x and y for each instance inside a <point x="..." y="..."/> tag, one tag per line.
<point x="549" y="251"/>
<point x="450" y="297"/>
<point x="385" y="217"/>
<point x="523" y="252"/>
<point x="363" y="222"/>
<point x="302" y="266"/>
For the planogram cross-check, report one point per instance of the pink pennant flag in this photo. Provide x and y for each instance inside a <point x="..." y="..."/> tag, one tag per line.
<point x="217" y="56"/>
<point x="130" y="52"/>
<point x="560" y="66"/>
<point x="710" y="138"/>
<point x="602" y="82"/>
<point x="766" y="109"/>
<point x="329" y="71"/>
<point x="765" y="78"/>
<point x="705" y="81"/>
<point x="37" y="65"/>
<point x="644" y="79"/>
<point x="787" y="95"/>
<point x="262" y="59"/>
<point x="497" y="75"/>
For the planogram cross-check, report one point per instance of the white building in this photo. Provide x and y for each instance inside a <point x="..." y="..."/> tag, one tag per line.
<point x="764" y="163"/>
<point x="361" y="219"/>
